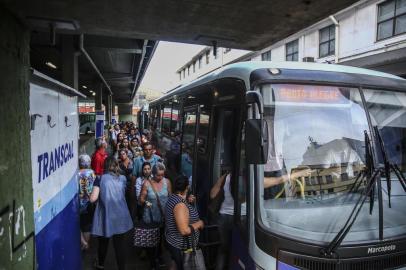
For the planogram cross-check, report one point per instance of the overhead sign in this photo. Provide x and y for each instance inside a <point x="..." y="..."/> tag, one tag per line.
<point x="99" y="132"/>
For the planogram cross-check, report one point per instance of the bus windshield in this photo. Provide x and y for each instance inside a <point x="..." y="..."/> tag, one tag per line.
<point x="312" y="179"/>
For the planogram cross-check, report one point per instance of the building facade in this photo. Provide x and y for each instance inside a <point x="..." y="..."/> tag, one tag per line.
<point x="369" y="34"/>
<point x="206" y="61"/>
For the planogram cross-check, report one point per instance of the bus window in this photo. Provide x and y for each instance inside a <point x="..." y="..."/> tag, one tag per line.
<point x="166" y="119"/>
<point x="160" y="113"/>
<point x="188" y="140"/>
<point x="153" y="118"/>
<point x="225" y="142"/>
<point x="204" y="125"/>
<point x="241" y="210"/>
<point x="175" y="124"/>
<point x="157" y="120"/>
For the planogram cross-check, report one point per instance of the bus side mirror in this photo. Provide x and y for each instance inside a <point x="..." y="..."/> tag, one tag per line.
<point x="256" y="141"/>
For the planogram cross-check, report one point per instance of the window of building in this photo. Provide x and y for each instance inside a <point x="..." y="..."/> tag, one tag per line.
<point x="184" y="73"/>
<point x="200" y="62"/>
<point x="329" y="179"/>
<point x="207" y="57"/>
<point x="344" y="177"/>
<point x="327" y="39"/>
<point x="215" y="52"/>
<point x="266" y="56"/>
<point x="391" y="18"/>
<point x="292" y="50"/>
<point x="227" y="50"/>
<point x="188" y="70"/>
<point x="180" y="75"/>
<point x="313" y="180"/>
<point x="194" y="67"/>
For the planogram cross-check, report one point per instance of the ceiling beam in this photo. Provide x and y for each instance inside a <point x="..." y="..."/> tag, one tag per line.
<point x="119" y="45"/>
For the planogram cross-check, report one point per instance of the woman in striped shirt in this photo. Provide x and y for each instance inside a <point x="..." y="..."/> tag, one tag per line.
<point x="182" y="219"/>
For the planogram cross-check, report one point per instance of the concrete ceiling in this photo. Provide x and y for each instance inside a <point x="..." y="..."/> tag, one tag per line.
<point x="120" y="36"/>
<point x="241" y="24"/>
<point x="122" y="62"/>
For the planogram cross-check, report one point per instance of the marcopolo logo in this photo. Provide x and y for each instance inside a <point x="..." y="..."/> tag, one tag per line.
<point x="373" y="250"/>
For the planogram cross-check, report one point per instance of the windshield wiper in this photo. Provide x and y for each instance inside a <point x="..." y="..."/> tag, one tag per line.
<point x="388" y="166"/>
<point x="373" y="176"/>
<point x="371" y="173"/>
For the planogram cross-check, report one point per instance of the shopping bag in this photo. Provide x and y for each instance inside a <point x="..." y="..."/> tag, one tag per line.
<point x="147" y="234"/>
<point x="193" y="260"/>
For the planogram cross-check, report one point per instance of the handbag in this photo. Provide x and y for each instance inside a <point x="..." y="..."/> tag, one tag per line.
<point x="193" y="258"/>
<point x="147" y="234"/>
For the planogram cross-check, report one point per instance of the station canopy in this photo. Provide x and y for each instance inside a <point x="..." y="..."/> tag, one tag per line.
<point x="120" y="35"/>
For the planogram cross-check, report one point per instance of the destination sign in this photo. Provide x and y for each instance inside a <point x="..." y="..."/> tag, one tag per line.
<point x="310" y="94"/>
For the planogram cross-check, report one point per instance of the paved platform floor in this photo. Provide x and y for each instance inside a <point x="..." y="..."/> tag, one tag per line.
<point x="134" y="259"/>
<point x="134" y="262"/>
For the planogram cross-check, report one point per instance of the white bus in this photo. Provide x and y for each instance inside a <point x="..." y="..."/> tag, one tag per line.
<point x="317" y="154"/>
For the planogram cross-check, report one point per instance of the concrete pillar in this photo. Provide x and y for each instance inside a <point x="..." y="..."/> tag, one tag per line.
<point x="109" y="108"/>
<point x="106" y="105"/>
<point x="69" y="62"/>
<point x="16" y="202"/>
<point x="113" y="110"/>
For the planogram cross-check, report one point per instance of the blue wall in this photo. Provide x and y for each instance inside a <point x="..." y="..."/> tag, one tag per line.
<point x="58" y="243"/>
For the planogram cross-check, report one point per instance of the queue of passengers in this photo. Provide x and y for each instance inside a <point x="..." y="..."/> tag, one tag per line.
<point x="125" y="186"/>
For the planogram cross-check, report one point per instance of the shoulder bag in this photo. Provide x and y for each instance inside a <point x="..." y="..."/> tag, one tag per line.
<point x="193" y="258"/>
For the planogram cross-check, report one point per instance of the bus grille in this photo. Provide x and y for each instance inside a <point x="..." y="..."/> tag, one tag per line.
<point x="387" y="262"/>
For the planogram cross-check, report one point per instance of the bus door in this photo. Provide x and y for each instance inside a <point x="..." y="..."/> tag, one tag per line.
<point x="195" y="162"/>
<point x="227" y="132"/>
<point x="225" y="160"/>
<point x="189" y="126"/>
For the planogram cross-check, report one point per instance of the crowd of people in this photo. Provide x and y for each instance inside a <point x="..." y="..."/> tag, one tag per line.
<point x="124" y="184"/>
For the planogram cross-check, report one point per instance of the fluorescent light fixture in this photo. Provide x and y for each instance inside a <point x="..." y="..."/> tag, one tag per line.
<point x="84" y="86"/>
<point x="50" y="64"/>
<point x="91" y="91"/>
<point x="93" y="94"/>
